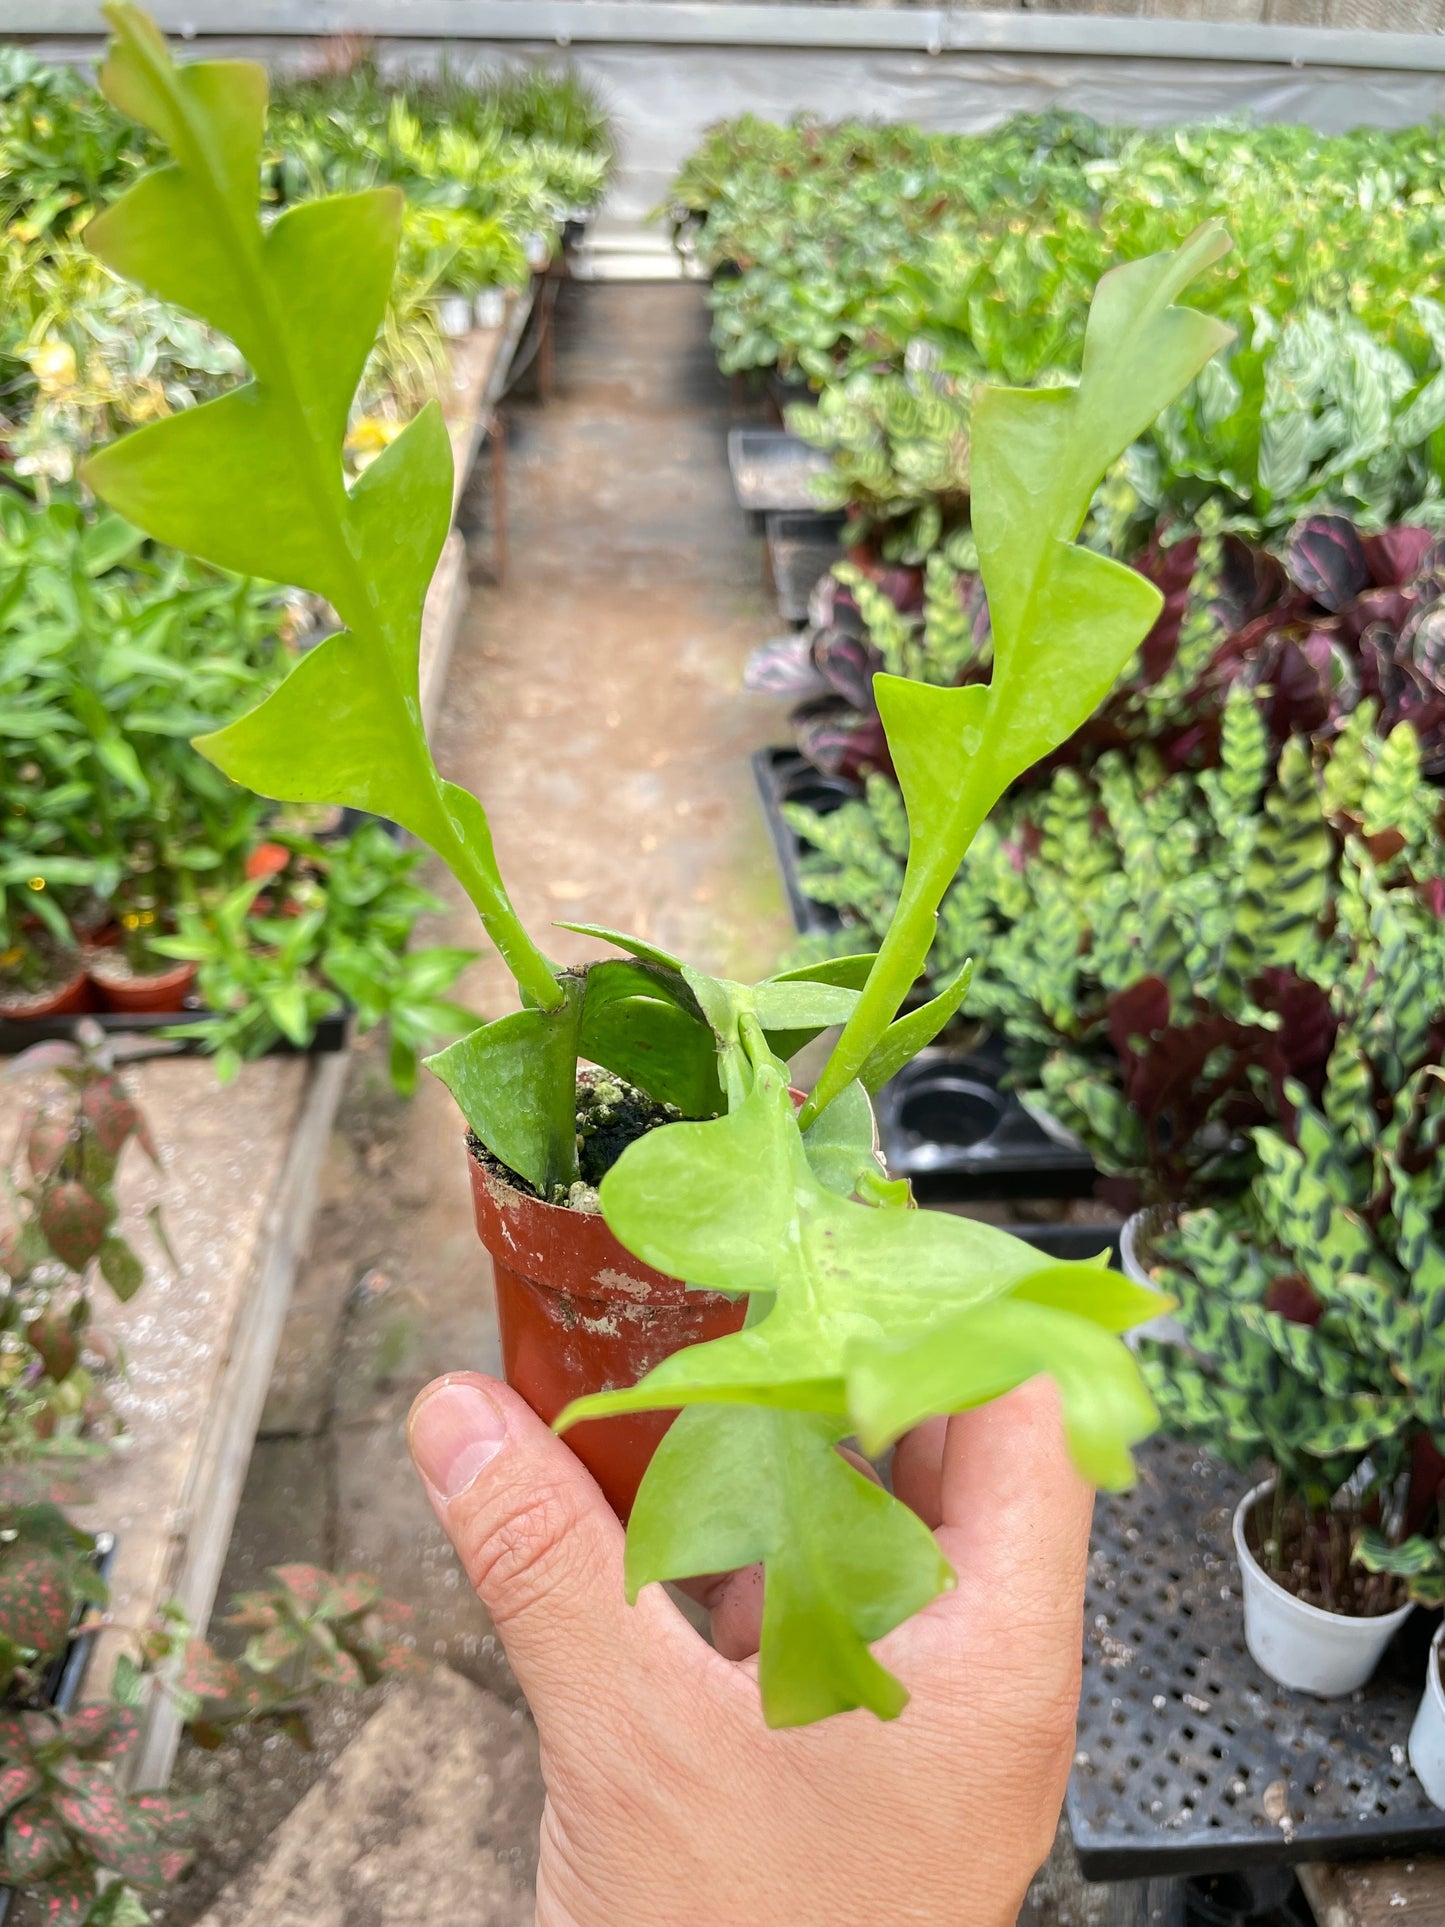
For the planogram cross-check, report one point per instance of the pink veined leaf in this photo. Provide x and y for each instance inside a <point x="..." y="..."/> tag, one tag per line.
<point x="42" y="1057"/>
<point x="17" y="1783"/>
<point x="121" y="1839"/>
<point x="108" y="1110"/>
<point x="308" y="1584"/>
<point x="357" y="1593"/>
<point x="102" y="1731"/>
<point x="273" y="1648"/>
<point x="336" y="1667"/>
<point x="49" y="1135"/>
<point x="73" y="1221"/>
<point x="253" y="1609"/>
<point x="166" y="1811"/>
<point x="208" y="1675"/>
<point x="36" y="1600"/>
<point x="173" y="1862"/>
<point x="400" y="1662"/>
<point x="39" y="1729"/>
<point x="68" y="1897"/>
<point x="35" y="1843"/>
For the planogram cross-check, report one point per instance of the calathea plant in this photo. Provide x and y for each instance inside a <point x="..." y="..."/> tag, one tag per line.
<point x="1313" y="1304"/>
<point x="865" y="1316"/>
<point x="860" y="626"/>
<point x="899" y="449"/>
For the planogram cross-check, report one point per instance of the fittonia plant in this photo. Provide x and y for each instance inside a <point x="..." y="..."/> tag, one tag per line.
<point x="865" y="1315"/>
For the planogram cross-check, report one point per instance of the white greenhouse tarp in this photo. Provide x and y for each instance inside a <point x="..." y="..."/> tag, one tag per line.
<point x="662" y="96"/>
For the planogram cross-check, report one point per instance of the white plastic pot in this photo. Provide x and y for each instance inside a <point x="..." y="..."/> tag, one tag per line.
<point x="1299" y="1645"/>
<point x="489" y="307"/>
<point x="454" y="315"/>
<point x="1165" y="1328"/>
<point x="538" y="250"/>
<point x="1427" y="1735"/>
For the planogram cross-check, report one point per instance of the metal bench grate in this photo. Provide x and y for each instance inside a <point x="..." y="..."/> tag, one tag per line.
<point x="1189" y="1759"/>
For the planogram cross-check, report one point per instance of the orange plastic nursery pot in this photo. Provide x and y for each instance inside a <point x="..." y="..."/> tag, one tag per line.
<point x="578" y="1313"/>
<point x="65" y="999"/>
<point x="164" y="990"/>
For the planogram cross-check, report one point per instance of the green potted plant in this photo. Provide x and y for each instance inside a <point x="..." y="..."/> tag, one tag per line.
<point x="322" y="926"/>
<point x="1312" y="1308"/>
<point x="864" y="1315"/>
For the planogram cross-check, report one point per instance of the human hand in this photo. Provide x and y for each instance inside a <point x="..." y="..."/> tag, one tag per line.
<point x="669" y="1802"/>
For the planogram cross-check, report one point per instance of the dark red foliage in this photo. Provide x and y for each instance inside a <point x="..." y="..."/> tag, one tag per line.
<point x="1294" y="1298"/>
<point x="73" y="1221"/>
<point x="1212" y="1073"/>
<point x="55" y="1339"/>
<point x="110" y="1114"/>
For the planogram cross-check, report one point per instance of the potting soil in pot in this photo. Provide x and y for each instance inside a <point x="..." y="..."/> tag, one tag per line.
<point x="611" y="1114"/>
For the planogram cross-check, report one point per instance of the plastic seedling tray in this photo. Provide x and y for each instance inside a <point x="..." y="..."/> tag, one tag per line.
<point x="62" y="1683"/>
<point x="1190" y="1760"/>
<point x="802" y="547"/>
<point x="783" y="776"/>
<point x="947" y="1123"/>
<point x="772" y="469"/>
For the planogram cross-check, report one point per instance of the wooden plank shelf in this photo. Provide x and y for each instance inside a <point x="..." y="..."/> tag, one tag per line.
<point x="1377" y="1893"/>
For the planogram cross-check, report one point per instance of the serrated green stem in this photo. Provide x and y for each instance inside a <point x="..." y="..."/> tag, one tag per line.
<point x="902" y="954"/>
<point x="476" y="872"/>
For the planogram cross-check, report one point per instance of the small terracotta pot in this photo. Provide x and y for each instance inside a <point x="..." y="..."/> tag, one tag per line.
<point x="578" y="1313"/>
<point x="162" y="990"/>
<point x="70" y="999"/>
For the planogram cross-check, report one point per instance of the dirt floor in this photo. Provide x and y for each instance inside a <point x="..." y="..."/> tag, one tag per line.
<point x="595" y="704"/>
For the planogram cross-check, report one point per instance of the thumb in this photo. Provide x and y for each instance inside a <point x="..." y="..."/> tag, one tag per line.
<point x="1015" y="1511"/>
<point x="539" y="1543"/>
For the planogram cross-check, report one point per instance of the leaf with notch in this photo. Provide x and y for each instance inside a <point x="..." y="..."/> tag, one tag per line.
<point x="515" y="1084"/>
<point x="840" y="1273"/>
<point x="844" y="1562"/>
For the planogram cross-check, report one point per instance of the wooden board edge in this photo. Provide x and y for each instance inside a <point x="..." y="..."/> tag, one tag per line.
<point x="209" y="1508"/>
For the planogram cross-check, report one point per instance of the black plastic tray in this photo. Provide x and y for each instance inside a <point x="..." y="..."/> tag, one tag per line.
<point x="1190" y="1760"/>
<point x="62" y="1681"/>
<point x="773" y="470"/>
<point x="802" y="547"/>
<point x="783" y="776"/>
<point x="947" y="1123"/>
<point x="16" y="1035"/>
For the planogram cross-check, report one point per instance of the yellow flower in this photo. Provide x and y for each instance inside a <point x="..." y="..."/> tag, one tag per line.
<point x="53" y="365"/>
<point x="368" y="436"/>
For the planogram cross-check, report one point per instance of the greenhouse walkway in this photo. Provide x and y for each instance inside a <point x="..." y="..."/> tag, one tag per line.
<point x="616" y="646"/>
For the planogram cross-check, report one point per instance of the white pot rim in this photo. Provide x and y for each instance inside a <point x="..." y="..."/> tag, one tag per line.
<point x="1309" y="1615"/>
<point x="1433" y="1686"/>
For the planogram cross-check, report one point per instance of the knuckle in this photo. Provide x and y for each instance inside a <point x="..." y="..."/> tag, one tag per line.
<point x="522" y="1550"/>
